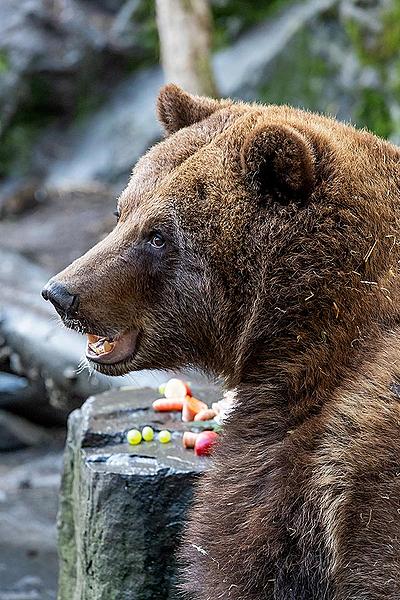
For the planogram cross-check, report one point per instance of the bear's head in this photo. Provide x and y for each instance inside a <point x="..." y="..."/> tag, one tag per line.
<point x="253" y="239"/>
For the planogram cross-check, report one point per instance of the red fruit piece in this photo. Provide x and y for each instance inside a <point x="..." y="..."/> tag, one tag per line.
<point x="205" y="442"/>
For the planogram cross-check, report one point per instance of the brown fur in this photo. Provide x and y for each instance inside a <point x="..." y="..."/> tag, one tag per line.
<point x="280" y="273"/>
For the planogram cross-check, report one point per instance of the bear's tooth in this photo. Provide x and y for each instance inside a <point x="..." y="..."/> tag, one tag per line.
<point x="107" y="346"/>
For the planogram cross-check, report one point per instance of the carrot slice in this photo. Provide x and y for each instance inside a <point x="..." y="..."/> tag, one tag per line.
<point x="192" y="406"/>
<point x="205" y="415"/>
<point x="189" y="439"/>
<point x="168" y="404"/>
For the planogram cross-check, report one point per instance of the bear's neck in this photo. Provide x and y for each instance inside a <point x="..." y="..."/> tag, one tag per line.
<point x="304" y="376"/>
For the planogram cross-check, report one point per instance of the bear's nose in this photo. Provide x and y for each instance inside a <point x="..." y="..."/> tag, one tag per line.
<point x="60" y="297"/>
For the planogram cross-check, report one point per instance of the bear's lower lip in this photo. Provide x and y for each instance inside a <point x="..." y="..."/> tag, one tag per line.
<point x="109" y="351"/>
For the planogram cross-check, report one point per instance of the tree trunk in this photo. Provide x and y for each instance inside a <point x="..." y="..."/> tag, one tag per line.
<point x="185" y="28"/>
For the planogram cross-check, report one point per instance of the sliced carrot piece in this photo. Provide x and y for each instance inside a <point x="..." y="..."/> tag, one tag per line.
<point x="192" y="406"/>
<point x="189" y="439"/>
<point x="205" y="415"/>
<point x="168" y="404"/>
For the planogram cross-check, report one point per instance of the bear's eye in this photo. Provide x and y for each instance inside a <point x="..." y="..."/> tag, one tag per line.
<point x="117" y="214"/>
<point x="157" y="241"/>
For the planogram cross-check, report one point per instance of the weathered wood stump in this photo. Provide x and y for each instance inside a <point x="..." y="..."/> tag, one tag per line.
<point x="122" y="507"/>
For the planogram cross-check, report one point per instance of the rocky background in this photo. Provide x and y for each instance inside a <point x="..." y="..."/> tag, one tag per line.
<point x="78" y="81"/>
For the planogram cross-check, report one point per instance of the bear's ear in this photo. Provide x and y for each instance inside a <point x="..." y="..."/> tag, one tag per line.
<point x="176" y="108"/>
<point x="280" y="161"/>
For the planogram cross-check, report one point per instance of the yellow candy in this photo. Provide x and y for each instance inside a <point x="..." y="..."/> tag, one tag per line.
<point x="134" y="437"/>
<point x="147" y="433"/>
<point x="164" y="436"/>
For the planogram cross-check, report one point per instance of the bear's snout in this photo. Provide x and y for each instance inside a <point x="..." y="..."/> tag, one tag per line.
<point x="63" y="301"/>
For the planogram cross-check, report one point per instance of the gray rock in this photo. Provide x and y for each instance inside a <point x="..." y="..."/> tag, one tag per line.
<point x="63" y="225"/>
<point x="16" y="433"/>
<point x="18" y="196"/>
<point x="28" y="326"/>
<point x="28" y="399"/>
<point x="121" y="506"/>
<point x="12" y="387"/>
<point x="29" y="482"/>
<point x="61" y="45"/>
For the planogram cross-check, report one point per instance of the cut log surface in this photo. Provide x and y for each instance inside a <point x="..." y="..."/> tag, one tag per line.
<point x="122" y="507"/>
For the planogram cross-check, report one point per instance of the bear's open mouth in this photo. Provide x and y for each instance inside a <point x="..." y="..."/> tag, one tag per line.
<point x="111" y="350"/>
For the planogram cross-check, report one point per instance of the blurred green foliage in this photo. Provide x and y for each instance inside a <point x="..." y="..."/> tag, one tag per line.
<point x="298" y="77"/>
<point x="379" y="51"/>
<point x="372" y="112"/>
<point x="147" y="35"/>
<point x="4" y="62"/>
<point x="232" y="17"/>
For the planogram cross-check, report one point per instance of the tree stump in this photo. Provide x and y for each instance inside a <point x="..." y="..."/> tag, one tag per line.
<point x="122" y="507"/>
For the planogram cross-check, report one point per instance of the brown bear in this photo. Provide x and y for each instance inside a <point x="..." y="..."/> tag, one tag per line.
<point x="261" y="244"/>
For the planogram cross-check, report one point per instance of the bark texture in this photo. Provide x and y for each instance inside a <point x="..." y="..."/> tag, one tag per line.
<point x="185" y="28"/>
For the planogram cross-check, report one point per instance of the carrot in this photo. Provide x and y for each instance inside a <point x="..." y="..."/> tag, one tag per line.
<point x="189" y="439"/>
<point x="205" y="415"/>
<point x="192" y="406"/>
<point x="168" y="404"/>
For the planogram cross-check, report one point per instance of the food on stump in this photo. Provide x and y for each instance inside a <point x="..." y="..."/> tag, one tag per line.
<point x="168" y="405"/>
<point x="148" y="433"/>
<point x="134" y="437"/>
<point x="205" y="442"/>
<point x="161" y="388"/>
<point x="176" y="388"/>
<point x="189" y="439"/>
<point x="164" y="436"/>
<point x="178" y="397"/>
<point x="191" y="407"/>
<point x="206" y="415"/>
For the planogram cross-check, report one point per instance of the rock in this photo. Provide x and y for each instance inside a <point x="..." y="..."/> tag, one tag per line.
<point x="28" y="588"/>
<point x="328" y="55"/>
<point x="16" y="433"/>
<point x="18" y="196"/>
<point x="33" y="60"/>
<point x="29" y="399"/>
<point x="310" y="54"/>
<point x="122" y="507"/>
<point x="105" y="145"/>
<point x="12" y="388"/>
<point x="63" y="225"/>
<point x="29" y="482"/>
<point x="243" y="67"/>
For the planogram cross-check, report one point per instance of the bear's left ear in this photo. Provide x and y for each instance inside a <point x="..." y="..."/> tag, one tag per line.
<point x="280" y="161"/>
<point x="176" y="108"/>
